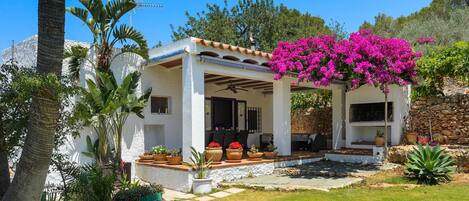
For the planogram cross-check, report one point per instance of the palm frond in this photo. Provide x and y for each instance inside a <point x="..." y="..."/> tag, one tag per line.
<point x="125" y="33"/>
<point x="76" y="55"/>
<point x="118" y="8"/>
<point x="82" y="14"/>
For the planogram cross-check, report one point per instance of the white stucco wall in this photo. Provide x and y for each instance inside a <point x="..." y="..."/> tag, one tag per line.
<point x="356" y="131"/>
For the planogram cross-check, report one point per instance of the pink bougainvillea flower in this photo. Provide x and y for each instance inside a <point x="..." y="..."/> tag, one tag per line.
<point x="363" y="58"/>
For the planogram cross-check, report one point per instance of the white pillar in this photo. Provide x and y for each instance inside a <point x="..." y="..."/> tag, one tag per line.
<point x="281" y="116"/>
<point x="193" y="132"/>
<point x="338" y="117"/>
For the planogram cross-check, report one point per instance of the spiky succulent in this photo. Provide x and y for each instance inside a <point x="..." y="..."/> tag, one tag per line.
<point x="429" y="165"/>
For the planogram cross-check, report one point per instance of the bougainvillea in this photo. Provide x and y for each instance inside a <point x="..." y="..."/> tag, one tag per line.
<point x="363" y="58"/>
<point x="425" y="40"/>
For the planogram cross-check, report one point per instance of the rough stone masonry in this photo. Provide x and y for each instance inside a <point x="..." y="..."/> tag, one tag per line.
<point x="449" y="116"/>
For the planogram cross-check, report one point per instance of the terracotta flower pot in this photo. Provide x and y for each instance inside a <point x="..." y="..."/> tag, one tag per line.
<point x="255" y="156"/>
<point x="234" y="154"/>
<point x="215" y="154"/>
<point x="423" y="139"/>
<point x="379" y="141"/>
<point x="270" y="155"/>
<point x="160" y="157"/>
<point x="146" y="157"/>
<point x="174" y="160"/>
<point x="411" y="137"/>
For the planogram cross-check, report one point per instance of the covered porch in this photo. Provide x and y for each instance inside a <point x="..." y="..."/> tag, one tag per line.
<point x="225" y="87"/>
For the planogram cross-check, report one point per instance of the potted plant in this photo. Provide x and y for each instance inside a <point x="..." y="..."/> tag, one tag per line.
<point x="270" y="151"/>
<point x="137" y="192"/>
<point x="174" y="157"/>
<point x="200" y="165"/>
<point x="410" y="135"/>
<point x="234" y="153"/>
<point x="254" y="154"/>
<point x="159" y="153"/>
<point x="423" y="139"/>
<point x="145" y="158"/>
<point x="214" y="152"/>
<point x="379" y="138"/>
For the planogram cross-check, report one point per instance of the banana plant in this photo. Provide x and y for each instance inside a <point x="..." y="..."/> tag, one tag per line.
<point x="129" y="103"/>
<point x="94" y="109"/>
<point x="103" y="22"/>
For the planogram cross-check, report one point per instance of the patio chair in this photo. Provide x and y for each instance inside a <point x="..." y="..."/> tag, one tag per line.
<point x="243" y="138"/>
<point x="230" y="136"/>
<point x="218" y="136"/>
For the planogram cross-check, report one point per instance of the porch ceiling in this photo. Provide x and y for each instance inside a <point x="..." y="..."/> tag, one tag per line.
<point x="249" y="84"/>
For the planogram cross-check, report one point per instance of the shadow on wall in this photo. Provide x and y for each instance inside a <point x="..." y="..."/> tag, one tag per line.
<point x="153" y="135"/>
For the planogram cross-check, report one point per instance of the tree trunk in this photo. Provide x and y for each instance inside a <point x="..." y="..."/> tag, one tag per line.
<point x="32" y="168"/>
<point x="4" y="172"/>
<point x="385" y="125"/>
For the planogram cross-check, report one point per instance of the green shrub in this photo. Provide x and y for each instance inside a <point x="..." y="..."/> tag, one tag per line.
<point x="429" y="165"/>
<point x="92" y="185"/>
<point x="136" y="193"/>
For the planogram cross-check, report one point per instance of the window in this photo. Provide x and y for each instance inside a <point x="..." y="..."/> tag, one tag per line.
<point x="160" y="105"/>
<point x="254" y="119"/>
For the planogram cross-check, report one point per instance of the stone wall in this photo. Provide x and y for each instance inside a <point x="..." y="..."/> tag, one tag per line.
<point x="312" y="121"/>
<point x="449" y="116"/>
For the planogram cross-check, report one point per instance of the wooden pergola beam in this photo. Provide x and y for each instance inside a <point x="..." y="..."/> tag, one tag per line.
<point x="232" y="81"/>
<point x="217" y="79"/>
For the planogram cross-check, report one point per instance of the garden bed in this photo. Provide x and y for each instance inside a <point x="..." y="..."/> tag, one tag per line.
<point x="398" y="154"/>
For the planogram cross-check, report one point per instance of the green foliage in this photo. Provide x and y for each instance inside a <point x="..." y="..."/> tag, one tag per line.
<point x="429" y="165"/>
<point x="76" y="55"/>
<point x="451" y="61"/>
<point x="103" y="22"/>
<point x="15" y="98"/>
<point x="92" y="149"/>
<point x="444" y="20"/>
<point x="92" y="185"/>
<point x="137" y="192"/>
<point x="105" y="106"/>
<point x="199" y="164"/>
<point x="258" y="23"/>
<point x="270" y="148"/>
<point x="160" y="149"/>
<point x="311" y="99"/>
<point x="174" y="152"/>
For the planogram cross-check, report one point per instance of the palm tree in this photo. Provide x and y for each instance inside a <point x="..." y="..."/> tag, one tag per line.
<point x="32" y="168"/>
<point x="102" y="20"/>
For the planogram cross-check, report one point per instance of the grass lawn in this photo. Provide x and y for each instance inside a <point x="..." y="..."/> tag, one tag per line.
<point x="384" y="186"/>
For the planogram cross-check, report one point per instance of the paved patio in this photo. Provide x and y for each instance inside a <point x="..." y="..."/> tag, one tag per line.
<point x="322" y="175"/>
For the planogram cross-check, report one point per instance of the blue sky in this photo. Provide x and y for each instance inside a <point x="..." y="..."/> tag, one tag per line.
<point x="19" y="17"/>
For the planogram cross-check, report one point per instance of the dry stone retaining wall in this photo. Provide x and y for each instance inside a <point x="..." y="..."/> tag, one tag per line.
<point x="449" y="116"/>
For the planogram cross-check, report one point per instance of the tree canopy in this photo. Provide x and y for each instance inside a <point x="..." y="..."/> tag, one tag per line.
<point x="445" y="20"/>
<point x="258" y="23"/>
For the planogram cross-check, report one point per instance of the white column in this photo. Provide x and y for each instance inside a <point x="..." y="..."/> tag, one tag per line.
<point x="281" y="116"/>
<point x="193" y="134"/>
<point x="338" y="117"/>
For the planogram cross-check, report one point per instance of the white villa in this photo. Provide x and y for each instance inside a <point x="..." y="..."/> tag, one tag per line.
<point x="201" y="85"/>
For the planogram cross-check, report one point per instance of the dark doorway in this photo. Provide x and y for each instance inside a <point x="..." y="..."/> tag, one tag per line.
<point x="222" y="113"/>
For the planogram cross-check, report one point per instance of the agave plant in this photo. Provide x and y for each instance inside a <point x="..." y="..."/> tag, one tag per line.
<point x="199" y="164"/>
<point x="429" y="165"/>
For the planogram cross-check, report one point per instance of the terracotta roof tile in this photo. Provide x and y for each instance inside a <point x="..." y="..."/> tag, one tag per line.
<point x="233" y="48"/>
